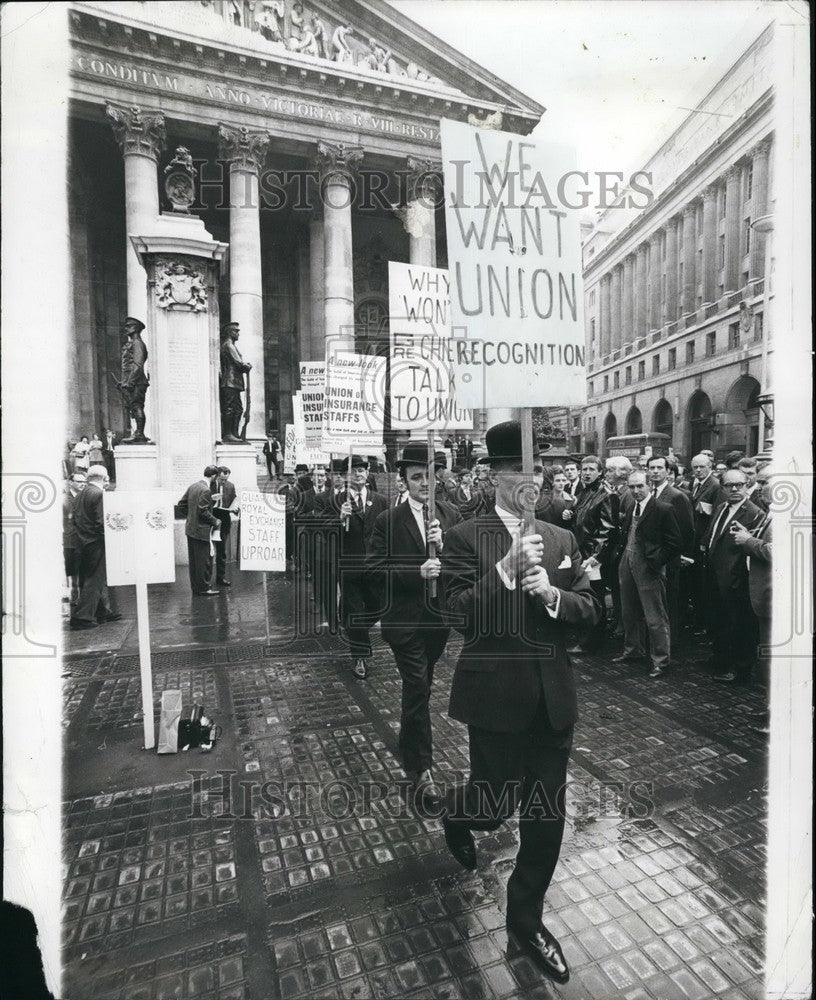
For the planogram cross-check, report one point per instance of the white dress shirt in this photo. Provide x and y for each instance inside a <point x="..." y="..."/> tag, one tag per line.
<point x="515" y="526"/>
<point x="419" y="517"/>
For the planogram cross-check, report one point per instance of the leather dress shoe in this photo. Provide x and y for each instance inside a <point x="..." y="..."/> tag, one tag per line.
<point x="625" y="658"/>
<point x="543" y="950"/>
<point x="224" y="583"/>
<point x="427" y="794"/>
<point x="80" y="623"/>
<point x="460" y="843"/>
<point x="206" y="593"/>
<point x="112" y="617"/>
<point x="729" y="678"/>
<point x="656" y="672"/>
<point x="360" y="669"/>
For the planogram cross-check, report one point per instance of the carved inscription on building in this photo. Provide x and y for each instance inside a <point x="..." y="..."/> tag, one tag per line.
<point x="185" y="388"/>
<point x="143" y="79"/>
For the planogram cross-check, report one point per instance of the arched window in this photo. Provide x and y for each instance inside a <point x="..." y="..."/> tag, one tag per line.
<point x="699" y="417"/>
<point x="663" y="419"/>
<point x="634" y="421"/>
<point x="610" y="426"/>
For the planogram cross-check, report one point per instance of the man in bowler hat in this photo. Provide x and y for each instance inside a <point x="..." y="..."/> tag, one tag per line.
<point x="514" y="596"/>
<point x="358" y="508"/>
<point x="400" y="569"/>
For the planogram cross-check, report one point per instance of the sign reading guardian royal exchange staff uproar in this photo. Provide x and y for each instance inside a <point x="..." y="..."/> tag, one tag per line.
<point x="514" y="256"/>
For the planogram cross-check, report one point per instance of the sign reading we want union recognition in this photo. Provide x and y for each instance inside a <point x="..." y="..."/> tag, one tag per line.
<point x="514" y="255"/>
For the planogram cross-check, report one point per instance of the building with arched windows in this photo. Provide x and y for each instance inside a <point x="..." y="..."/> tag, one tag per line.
<point x="675" y="292"/>
<point x="273" y="101"/>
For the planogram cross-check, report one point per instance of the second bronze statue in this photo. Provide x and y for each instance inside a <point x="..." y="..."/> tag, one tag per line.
<point x="231" y="383"/>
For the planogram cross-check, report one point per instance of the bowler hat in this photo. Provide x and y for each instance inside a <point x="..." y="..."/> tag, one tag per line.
<point x="503" y="443"/>
<point x="301" y="468"/>
<point x="357" y="462"/>
<point x="417" y="454"/>
<point x="337" y="465"/>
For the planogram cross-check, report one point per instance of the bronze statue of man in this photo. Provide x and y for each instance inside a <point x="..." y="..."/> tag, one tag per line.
<point x="135" y="380"/>
<point x="231" y="383"/>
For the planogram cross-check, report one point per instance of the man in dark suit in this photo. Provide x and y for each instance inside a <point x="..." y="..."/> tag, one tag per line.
<point x="271" y="451"/>
<point x="660" y="470"/>
<point x="325" y="529"/>
<point x="706" y="494"/>
<point x="573" y="486"/>
<point x="592" y="532"/>
<point x="93" y="605"/>
<point x="617" y="506"/>
<point x="651" y="539"/>
<point x="732" y="625"/>
<point x="224" y="505"/>
<point x="351" y="515"/>
<point x="400" y="569"/>
<point x="197" y="506"/>
<point x="754" y="492"/>
<point x="513" y="596"/>
<point x="758" y="547"/>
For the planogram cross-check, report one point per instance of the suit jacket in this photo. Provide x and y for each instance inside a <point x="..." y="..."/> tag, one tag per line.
<point x="758" y="549"/>
<point x="89" y="523"/>
<point x="710" y="495"/>
<point x="657" y="537"/>
<point x="514" y="651"/>
<point x="227" y="500"/>
<point x="550" y="509"/>
<point x="574" y="489"/>
<point x="395" y="554"/>
<point x="467" y="506"/>
<point x="197" y="506"/>
<point x="725" y="560"/>
<point x="617" y="507"/>
<point x="353" y="543"/>
<point x="680" y="503"/>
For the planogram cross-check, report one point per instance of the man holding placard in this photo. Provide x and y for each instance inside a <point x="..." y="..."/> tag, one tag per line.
<point x="513" y="596"/>
<point x="412" y="619"/>
<point x="351" y="515"/>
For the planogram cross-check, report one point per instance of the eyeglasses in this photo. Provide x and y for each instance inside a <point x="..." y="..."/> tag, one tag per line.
<point x="733" y="486"/>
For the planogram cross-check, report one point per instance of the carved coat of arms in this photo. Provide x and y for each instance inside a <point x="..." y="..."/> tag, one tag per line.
<point x="179" y="286"/>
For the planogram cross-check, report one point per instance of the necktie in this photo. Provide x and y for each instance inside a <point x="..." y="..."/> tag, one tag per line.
<point x="696" y="488"/>
<point x="715" y="535"/>
<point x="358" y="501"/>
<point x="654" y="492"/>
<point x="637" y="510"/>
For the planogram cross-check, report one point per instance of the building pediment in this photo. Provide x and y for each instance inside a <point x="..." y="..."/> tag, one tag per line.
<point x="359" y="50"/>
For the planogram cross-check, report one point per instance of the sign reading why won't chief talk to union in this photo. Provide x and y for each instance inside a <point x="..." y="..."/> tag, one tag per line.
<point x="422" y="385"/>
<point x="514" y="254"/>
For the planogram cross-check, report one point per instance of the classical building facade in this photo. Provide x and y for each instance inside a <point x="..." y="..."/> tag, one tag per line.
<point x="314" y="131"/>
<point x="675" y="292"/>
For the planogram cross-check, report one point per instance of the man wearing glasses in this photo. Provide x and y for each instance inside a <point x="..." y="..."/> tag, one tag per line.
<point x="732" y="626"/>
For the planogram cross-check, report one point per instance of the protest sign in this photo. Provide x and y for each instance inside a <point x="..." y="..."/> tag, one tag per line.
<point x="312" y="395"/>
<point x="305" y="453"/>
<point x="138" y="527"/>
<point x="289" y="449"/>
<point x="263" y="531"/>
<point x="422" y="385"/>
<point x="138" y="537"/>
<point x="355" y="401"/>
<point x="514" y="252"/>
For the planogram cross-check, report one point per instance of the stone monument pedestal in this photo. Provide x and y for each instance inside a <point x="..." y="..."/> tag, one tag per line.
<point x="182" y="262"/>
<point x="136" y="466"/>
<point x="242" y="461"/>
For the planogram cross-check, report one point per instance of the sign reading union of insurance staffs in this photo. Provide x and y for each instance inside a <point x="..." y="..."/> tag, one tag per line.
<point x="236" y="95"/>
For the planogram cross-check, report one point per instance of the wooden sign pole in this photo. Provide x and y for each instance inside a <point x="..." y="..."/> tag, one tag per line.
<point x="145" y="665"/>
<point x="527" y="465"/>
<point x="431" y="504"/>
<point x="348" y="483"/>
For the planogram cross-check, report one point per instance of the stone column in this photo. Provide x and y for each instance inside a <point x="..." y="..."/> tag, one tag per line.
<point x="627" y="321"/>
<point x="337" y="163"/>
<point x="615" y="338"/>
<point x="733" y="249"/>
<point x="245" y="152"/>
<point x="655" y="291"/>
<point x="689" y="258"/>
<point x="606" y="316"/>
<point x="759" y="206"/>
<point x="709" y="275"/>
<point x="317" y="264"/>
<point x="419" y="218"/>
<point x="141" y="138"/>
<point x="671" y="270"/>
<point x="641" y="283"/>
